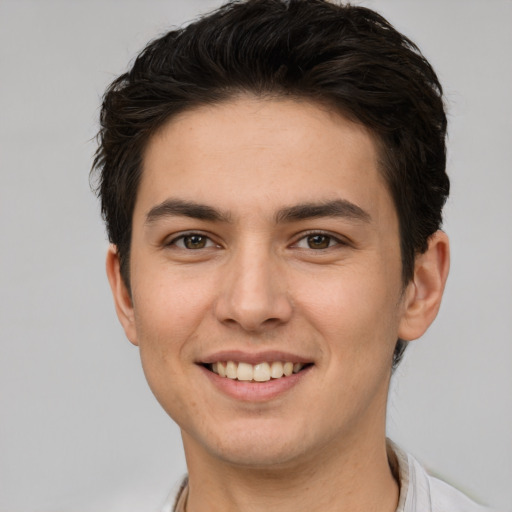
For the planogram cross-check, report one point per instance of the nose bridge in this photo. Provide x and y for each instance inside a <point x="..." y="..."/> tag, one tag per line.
<point x="254" y="292"/>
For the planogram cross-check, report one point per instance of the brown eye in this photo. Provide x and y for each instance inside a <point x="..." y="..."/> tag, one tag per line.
<point x="195" y="241"/>
<point x="318" y="241"/>
<point x="191" y="242"/>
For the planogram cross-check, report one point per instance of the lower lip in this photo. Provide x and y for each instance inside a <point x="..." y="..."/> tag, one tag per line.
<point x="255" y="391"/>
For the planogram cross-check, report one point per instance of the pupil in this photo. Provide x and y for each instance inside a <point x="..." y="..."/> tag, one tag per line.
<point x="318" y="241"/>
<point x="195" y="242"/>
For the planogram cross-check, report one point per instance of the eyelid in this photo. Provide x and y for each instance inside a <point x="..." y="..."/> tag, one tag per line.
<point x="340" y="240"/>
<point x="171" y="241"/>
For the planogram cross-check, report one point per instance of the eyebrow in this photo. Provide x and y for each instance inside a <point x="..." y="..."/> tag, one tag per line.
<point x="178" y="207"/>
<point x="336" y="208"/>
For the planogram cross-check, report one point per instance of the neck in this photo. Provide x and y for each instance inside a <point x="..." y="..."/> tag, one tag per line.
<point x="336" y="478"/>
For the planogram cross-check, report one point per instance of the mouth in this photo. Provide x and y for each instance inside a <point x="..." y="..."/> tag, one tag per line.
<point x="260" y="372"/>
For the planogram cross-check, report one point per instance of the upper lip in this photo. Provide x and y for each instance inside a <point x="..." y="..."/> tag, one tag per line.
<point x="254" y="357"/>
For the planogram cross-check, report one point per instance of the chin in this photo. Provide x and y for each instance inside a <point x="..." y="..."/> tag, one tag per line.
<point x="258" y="456"/>
<point x="255" y="446"/>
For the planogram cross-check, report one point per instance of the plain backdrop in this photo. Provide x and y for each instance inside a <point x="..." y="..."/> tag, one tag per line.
<point x="79" y="428"/>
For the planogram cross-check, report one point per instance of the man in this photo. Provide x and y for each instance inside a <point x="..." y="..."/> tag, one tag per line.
<point x="272" y="178"/>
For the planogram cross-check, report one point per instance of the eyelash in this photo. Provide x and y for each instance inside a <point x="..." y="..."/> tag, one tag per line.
<point x="332" y="241"/>
<point x="174" y="242"/>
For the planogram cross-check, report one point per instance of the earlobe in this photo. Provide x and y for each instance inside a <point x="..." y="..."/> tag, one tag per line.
<point x="424" y="293"/>
<point x="121" y="295"/>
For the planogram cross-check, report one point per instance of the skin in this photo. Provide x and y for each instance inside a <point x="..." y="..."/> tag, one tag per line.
<point x="255" y="281"/>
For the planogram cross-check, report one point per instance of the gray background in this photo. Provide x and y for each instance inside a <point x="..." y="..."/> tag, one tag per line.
<point x="79" y="429"/>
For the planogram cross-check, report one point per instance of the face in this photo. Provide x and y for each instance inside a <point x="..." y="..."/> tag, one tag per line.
<point x="263" y="234"/>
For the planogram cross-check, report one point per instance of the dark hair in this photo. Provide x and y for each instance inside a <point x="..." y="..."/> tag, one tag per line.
<point x="346" y="57"/>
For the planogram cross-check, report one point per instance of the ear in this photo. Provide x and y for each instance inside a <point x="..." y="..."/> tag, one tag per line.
<point x="122" y="298"/>
<point x="424" y="293"/>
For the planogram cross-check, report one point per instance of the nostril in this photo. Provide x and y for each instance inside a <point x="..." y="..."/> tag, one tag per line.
<point x="252" y="301"/>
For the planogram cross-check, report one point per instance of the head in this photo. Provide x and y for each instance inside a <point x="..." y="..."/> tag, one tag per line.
<point x="272" y="178"/>
<point x="347" y="58"/>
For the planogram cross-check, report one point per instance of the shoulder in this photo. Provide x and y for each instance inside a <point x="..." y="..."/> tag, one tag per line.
<point x="446" y="498"/>
<point x="420" y="492"/>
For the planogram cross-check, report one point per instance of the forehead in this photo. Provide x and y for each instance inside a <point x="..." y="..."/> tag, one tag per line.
<point x="249" y="154"/>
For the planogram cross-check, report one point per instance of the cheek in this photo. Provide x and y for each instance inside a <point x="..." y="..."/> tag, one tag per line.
<point x="168" y="311"/>
<point x="168" y="314"/>
<point x="354" y="309"/>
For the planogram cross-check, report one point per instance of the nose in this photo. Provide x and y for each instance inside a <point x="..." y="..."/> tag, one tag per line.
<point x="253" y="294"/>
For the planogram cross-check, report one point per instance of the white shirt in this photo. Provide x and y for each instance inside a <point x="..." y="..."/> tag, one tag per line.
<point x="419" y="492"/>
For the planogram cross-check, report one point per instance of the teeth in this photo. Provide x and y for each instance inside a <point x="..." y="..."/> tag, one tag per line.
<point x="297" y="367"/>
<point x="261" y="372"/>
<point x="221" y="369"/>
<point x="276" y="370"/>
<point x="231" y="370"/>
<point x="244" y="371"/>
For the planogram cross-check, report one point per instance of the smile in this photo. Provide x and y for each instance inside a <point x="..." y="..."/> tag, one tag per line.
<point x="261" y="372"/>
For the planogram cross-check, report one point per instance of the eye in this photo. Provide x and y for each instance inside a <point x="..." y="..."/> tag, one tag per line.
<point x="317" y="241"/>
<point x="192" y="241"/>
